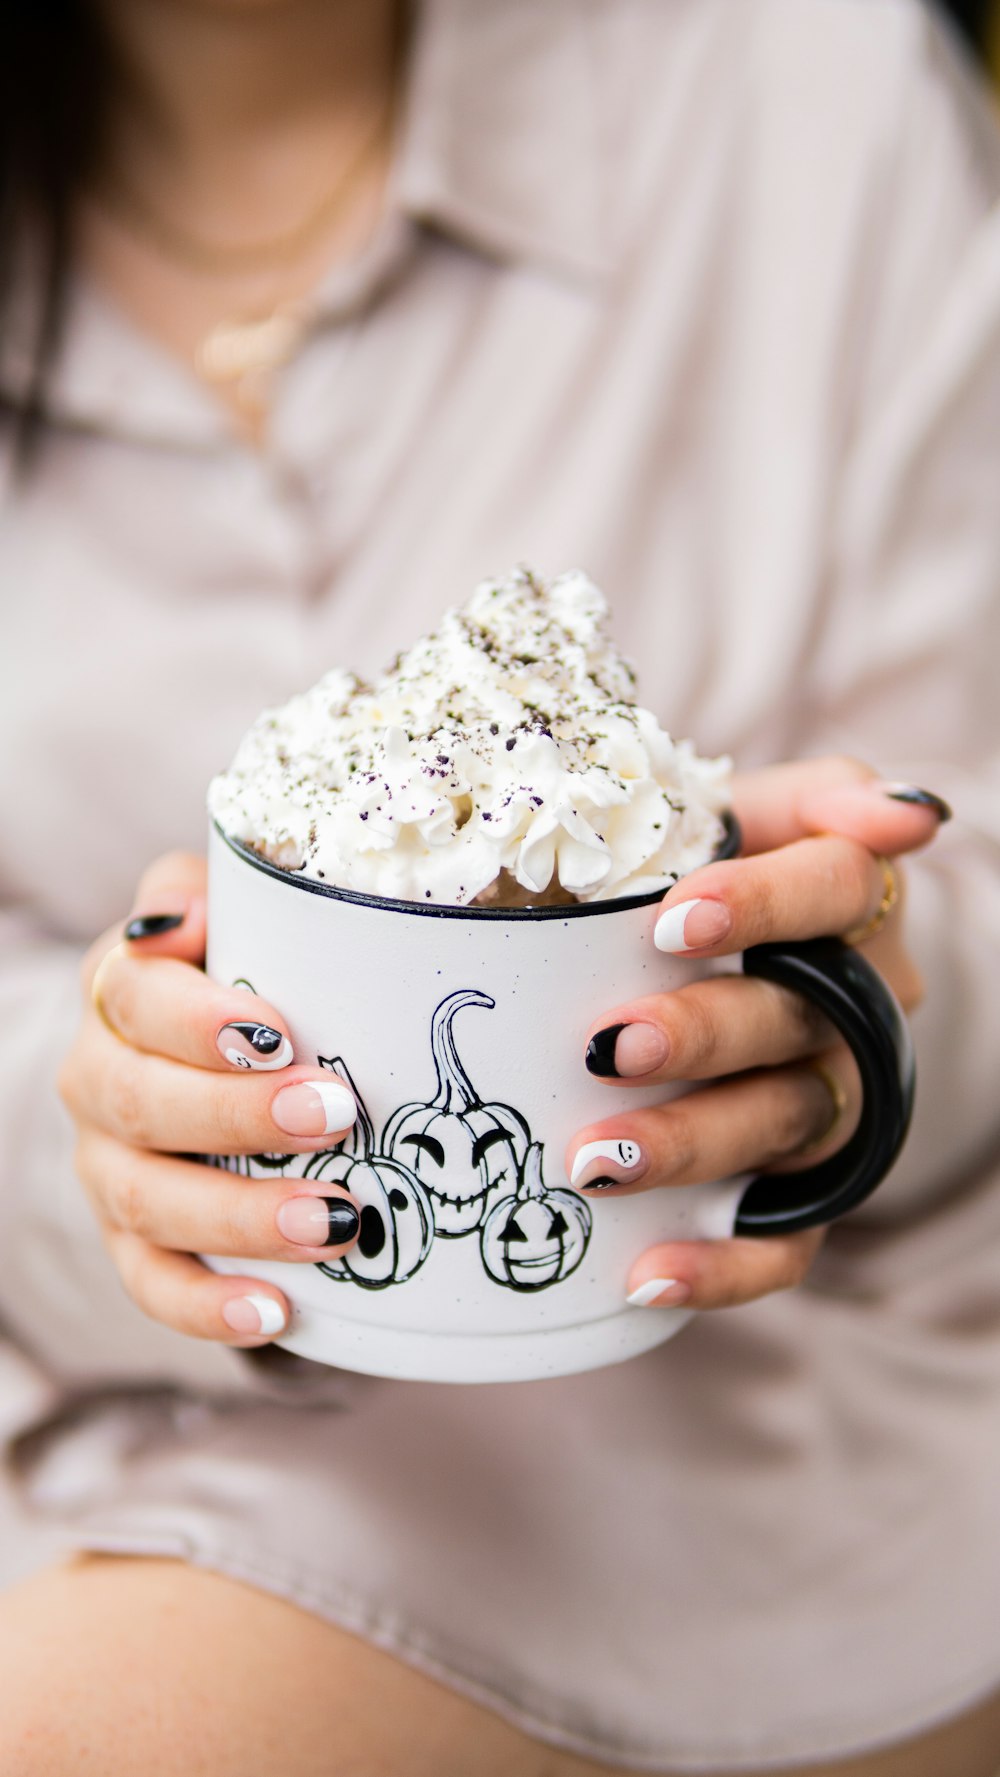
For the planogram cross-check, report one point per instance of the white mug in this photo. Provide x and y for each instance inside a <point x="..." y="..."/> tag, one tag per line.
<point x="462" y="1033"/>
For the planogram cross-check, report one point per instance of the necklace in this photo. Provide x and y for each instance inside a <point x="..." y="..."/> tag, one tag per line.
<point x="240" y="352"/>
<point x="227" y="259"/>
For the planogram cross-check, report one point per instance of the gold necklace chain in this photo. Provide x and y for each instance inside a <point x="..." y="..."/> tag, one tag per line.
<point x="224" y="259"/>
<point x="241" y="351"/>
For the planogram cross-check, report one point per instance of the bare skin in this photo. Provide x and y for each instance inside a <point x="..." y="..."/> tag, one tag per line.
<point x="146" y="1082"/>
<point x="189" y="1672"/>
<point x="236" y="120"/>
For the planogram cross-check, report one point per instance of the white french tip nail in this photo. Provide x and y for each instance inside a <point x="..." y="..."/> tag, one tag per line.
<point x="650" y="1292"/>
<point x="668" y="933"/>
<point x="272" y="1320"/>
<point x="620" y="1153"/>
<point x="340" y="1107"/>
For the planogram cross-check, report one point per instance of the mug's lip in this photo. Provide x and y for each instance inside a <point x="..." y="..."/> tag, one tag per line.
<point x="728" y="847"/>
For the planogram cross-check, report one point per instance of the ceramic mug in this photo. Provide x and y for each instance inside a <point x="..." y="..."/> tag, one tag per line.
<point x="461" y="1031"/>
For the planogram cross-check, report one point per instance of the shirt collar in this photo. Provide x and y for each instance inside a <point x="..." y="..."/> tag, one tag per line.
<point x="499" y="147"/>
<point x="502" y="138"/>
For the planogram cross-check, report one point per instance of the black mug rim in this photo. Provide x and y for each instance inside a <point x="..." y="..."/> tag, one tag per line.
<point x="728" y="847"/>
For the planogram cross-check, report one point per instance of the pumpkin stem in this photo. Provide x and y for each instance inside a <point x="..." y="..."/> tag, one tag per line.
<point x="453" y="1084"/>
<point x="532" y="1183"/>
<point x="363" y="1127"/>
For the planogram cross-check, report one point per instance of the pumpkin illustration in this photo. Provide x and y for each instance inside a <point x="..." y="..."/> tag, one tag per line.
<point x="535" y="1237"/>
<point x="252" y="1165"/>
<point x="397" y="1222"/>
<point x="460" y="1148"/>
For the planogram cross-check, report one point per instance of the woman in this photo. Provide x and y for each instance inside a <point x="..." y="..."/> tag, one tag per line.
<point x="362" y="306"/>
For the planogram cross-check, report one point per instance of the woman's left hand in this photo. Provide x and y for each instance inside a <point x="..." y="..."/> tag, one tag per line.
<point x="815" y="837"/>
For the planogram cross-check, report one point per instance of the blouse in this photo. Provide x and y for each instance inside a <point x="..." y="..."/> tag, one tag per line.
<point x="704" y="297"/>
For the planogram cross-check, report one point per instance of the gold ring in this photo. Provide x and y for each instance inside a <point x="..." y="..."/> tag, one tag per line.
<point x="95" y="990"/>
<point x="838" y="1105"/>
<point x="890" y="895"/>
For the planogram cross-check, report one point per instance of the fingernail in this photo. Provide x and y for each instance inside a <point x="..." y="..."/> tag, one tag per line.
<point x="253" y="1314"/>
<point x="325" y="1108"/>
<point x="691" y="925"/>
<point x="318" y="1221"/>
<point x="640" y="1049"/>
<point x="254" y="1046"/>
<point x="599" y="1165"/>
<point x="660" y="1292"/>
<point x="919" y="799"/>
<point x="600" y="1056"/>
<point x="151" y="925"/>
<point x="625" y="1051"/>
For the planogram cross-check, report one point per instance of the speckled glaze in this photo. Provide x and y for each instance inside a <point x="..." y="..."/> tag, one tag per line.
<point x="525" y="1278"/>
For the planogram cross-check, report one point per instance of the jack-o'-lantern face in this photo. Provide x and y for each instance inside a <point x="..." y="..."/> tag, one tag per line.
<point x="397" y="1222"/>
<point x="535" y="1237"/>
<point x="460" y="1148"/>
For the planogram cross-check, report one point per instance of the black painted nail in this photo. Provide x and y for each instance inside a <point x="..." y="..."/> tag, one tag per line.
<point x="318" y="1221"/>
<point x="252" y="1045"/>
<point x="150" y="925"/>
<point x="600" y="1184"/>
<point x="921" y="799"/>
<point x="343" y="1219"/>
<point x="601" y="1052"/>
<point x="262" y="1036"/>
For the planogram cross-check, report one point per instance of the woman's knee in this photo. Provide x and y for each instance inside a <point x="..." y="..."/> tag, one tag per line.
<point x="131" y="1665"/>
<point x="92" y="1675"/>
<point x="120" y="1665"/>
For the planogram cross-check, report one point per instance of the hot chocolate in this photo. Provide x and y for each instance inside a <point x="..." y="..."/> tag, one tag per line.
<point x="502" y="760"/>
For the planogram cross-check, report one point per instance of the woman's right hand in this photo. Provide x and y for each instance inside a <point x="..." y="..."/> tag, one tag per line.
<point x="166" y="1065"/>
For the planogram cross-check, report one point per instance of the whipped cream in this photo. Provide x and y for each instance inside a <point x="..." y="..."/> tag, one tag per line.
<point x="506" y="744"/>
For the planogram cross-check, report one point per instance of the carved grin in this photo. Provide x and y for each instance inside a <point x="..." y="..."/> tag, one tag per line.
<point x="456" y="1215"/>
<point x="539" y="1260"/>
<point x="450" y="1198"/>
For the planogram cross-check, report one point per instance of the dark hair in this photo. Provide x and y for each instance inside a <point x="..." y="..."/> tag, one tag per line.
<point x="54" y="70"/>
<point x="974" y="18"/>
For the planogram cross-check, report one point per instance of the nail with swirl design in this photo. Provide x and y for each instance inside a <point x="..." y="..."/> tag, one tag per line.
<point x="600" y="1165"/>
<point x="255" y="1046"/>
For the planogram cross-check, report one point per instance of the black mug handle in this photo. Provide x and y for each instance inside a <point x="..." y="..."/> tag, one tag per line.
<point x="866" y="1013"/>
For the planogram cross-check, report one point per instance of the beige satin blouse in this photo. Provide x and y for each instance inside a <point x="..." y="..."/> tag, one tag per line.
<point x="704" y="296"/>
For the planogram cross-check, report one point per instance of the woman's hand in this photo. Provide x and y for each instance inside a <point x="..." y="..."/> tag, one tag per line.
<point x="167" y="1064"/>
<point x="155" y="1072"/>
<point x="784" y="1085"/>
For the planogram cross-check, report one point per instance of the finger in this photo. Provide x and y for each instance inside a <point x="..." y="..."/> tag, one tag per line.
<point x="716" y="1027"/>
<point x="179" y="872"/>
<point x="720" y="1274"/>
<point x="835" y="795"/>
<point x="743" y="1124"/>
<point x="183" y="1294"/>
<point x="150" y="1102"/>
<point x="166" y="1007"/>
<point x="199" y="1209"/>
<point x="168" y="914"/>
<point x="810" y="889"/>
